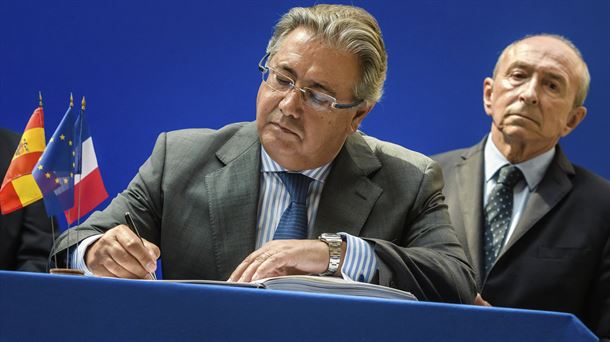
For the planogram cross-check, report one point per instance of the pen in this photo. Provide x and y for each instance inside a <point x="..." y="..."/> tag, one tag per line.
<point x="132" y="225"/>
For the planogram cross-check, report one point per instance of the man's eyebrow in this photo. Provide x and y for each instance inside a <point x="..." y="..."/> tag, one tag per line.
<point x="551" y="73"/>
<point x="314" y="84"/>
<point x="324" y="88"/>
<point x="557" y="76"/>
<point x="519" y="64"/>
<point x="289" y="70"/>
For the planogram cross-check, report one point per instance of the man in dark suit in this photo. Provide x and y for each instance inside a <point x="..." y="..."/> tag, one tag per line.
<point x="25" y="235"/>
<point x="535" y="226"/>
<point x="224" y="204"/>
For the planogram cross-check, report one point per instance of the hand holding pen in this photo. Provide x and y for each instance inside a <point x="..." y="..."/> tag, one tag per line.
<point x="121" y="253"/>
<point x="132" y="225"/>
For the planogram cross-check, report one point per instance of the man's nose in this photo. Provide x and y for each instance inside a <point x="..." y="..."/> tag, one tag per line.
<point x="529" y="93"/>
<point x="292" y="103"/>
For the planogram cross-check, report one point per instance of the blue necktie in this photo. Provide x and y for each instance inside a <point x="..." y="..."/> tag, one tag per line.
<point x="293" y="223"/>
<point x="498" y="213"/>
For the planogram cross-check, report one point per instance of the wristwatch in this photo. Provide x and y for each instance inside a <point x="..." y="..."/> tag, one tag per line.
<point x="334" y="242"/>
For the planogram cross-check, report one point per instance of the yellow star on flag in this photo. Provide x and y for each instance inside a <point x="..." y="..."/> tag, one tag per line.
<point x="62" y="137"/>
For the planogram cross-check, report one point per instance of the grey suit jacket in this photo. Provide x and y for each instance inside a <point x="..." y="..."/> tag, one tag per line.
<point x="197" y="198"/>
<point x="558" y="257"/>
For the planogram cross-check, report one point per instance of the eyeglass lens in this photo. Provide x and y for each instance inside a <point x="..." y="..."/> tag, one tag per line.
<point x="282" y="83"/>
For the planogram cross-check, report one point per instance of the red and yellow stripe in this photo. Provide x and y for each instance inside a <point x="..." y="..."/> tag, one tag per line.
<point x="19" y="188"/>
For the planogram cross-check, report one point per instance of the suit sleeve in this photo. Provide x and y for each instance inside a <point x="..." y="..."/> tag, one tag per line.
<point x="427" y="259"/>
<point x="143" y="199"/>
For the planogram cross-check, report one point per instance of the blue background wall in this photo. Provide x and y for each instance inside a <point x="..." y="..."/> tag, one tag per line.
<point x="148" y="67"/>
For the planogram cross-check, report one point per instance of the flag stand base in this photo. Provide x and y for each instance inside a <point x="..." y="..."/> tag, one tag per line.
<point x="67" y="271"/>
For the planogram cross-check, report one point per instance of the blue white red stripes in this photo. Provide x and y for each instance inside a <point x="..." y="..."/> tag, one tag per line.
<point x="89" y="190"/>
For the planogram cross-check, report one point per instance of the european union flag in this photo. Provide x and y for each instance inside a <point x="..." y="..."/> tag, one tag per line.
<point x="54" y="172"/>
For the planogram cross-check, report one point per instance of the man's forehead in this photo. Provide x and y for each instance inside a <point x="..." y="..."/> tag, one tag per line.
<point x="546" y="53"/>
<point x="544" y="50"/>
<point x="311" y="59"/>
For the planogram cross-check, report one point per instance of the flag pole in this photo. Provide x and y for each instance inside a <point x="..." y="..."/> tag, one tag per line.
<point x="40" y="104"/>
<point x="80" y="159"/>
<point x="80" y="168"/>
<point x="71" y="106"/>
<point x="68" y="254"/>
<point x="68" y="270"/>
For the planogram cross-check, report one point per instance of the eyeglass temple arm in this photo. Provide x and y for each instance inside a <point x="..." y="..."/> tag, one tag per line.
<point x="349" y="105"/>
<point x="261" y="65"/>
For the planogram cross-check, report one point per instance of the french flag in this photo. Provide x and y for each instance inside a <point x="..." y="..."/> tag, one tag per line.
<point x="89" y="189"/>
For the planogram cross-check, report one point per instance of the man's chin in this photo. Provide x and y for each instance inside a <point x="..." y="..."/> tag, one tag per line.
<point x="280" y="145"/>
<point x="517" y="134"/>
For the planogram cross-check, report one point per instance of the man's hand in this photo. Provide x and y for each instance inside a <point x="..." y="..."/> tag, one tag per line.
<point x="480" y="301"/>
<point x="120" y="253"/>
<point x="283" y="257"/>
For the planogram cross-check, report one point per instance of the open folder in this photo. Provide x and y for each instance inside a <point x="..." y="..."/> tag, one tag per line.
<point x="316" y="284"/>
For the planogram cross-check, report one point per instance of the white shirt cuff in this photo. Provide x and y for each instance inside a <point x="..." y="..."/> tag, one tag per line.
<point x="78" y="256"/>
<point x="360" y="263"/>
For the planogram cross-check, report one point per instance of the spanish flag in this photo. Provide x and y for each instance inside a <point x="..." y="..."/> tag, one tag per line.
<point x="19" y="188"/>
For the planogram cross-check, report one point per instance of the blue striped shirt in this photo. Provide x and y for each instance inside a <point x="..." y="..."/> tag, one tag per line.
<point x="359" y="264"/>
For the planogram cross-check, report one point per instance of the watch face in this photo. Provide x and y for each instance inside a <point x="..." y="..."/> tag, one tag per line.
<point x="330" y="236"/>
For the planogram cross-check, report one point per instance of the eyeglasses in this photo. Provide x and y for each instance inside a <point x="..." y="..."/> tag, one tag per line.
<point x="315" y="99"/>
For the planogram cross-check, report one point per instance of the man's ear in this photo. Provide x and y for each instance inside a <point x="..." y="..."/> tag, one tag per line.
<point x="488" y="93"/>
<point x="575" y="117"/>
<point x="361" y="113"/>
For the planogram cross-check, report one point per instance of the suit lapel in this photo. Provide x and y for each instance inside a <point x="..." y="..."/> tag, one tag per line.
<point x="554" y="186"/>
<point x="348" y="195"/>
<point x="233" y="193"/>
<point x="470" y="193"/>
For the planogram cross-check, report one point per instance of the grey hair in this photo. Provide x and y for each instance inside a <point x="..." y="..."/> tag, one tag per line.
<point x="348" y="28"/>
<point x="585" y="77"/>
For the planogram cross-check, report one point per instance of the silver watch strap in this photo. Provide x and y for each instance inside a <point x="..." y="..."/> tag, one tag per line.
<point x="334" y="242"/>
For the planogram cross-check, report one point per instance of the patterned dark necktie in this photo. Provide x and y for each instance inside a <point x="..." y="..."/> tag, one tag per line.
<point x="498" y="213"/>
<point x="293" y="223"/>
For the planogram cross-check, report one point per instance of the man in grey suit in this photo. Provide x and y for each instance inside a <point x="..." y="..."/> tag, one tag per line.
<point x="219" y="204"/>
<point x="536" y="227"/>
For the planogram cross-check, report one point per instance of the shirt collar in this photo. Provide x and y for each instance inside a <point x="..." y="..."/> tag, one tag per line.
<point x="533" y="169"/>
<point x="269" y="165"/>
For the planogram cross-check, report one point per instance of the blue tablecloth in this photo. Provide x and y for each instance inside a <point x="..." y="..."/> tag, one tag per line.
<point x="43" y="307"/>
